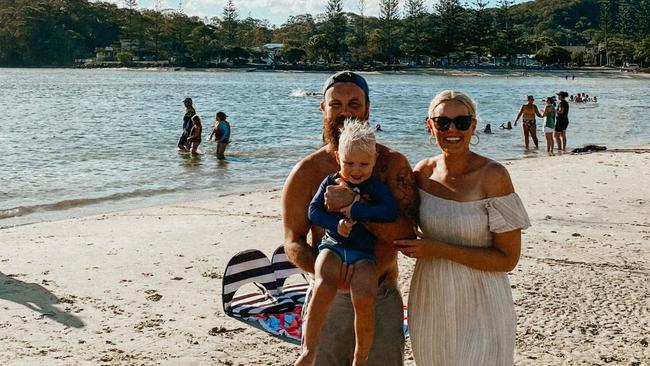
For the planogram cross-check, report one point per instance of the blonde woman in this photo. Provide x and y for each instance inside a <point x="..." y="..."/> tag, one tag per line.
<point x="461" y="310"/>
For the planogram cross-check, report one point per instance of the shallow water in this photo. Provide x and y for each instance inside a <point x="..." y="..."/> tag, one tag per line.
<point x="105" y="139"/>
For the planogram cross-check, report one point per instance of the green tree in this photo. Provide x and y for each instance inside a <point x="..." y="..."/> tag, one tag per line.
<point x="553" y="55"/>
<point x="626" y="17"/>
<point x="450" y="25"/>
<point x="199" y="44"/>
<point x="415" y="39"/>
<point x="643" y="19"/>
<point x="125" y="57"/>
<point x="479" y="33"/>
<point x="229" y="24"/>
<point x="334" y="30"/>
<point x="358" y="41"/>
<point x="503" y="44"/>
<point x="388" y="33"/>
<point x="293" y="54"/>
<point x="254" y="32"/>
<point x="296" y="31"/>
<point x="642" y="52"/>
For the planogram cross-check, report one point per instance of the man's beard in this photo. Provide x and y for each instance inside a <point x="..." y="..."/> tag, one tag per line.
<point x="332" y="132"/>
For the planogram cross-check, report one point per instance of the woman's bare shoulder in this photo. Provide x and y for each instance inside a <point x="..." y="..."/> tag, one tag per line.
<point x="495" y="179"/>
<point x="426" y="166"/>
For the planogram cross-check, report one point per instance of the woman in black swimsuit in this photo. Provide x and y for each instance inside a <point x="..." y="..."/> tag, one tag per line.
<point x="561" y="121"/>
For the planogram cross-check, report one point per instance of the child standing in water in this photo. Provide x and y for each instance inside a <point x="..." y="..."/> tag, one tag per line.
<point x="347" y="240"/>
<point x="194" y="137"/>
<point x="221" y="134"/>
<point x="549" y="123"/>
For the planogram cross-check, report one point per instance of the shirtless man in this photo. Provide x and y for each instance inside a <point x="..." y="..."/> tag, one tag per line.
<point x="345" y="95"/>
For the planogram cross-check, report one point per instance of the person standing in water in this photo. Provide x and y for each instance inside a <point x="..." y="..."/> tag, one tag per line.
<point x="221" y="134"/>
<point x="549" y="123"/>
<point x="187" y="124"/>
<point x="528" y="112"/>
<point x="561" y="121"/>
<point x="194" y="137"/>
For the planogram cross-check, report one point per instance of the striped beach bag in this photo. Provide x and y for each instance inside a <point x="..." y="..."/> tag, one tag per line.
<point x="275" y="306"/>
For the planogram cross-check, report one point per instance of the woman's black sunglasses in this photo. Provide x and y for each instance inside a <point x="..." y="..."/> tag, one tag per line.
<point x="462" y="123"/>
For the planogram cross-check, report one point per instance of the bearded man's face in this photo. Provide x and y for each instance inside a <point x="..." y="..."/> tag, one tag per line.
<point x="341" y="101"/>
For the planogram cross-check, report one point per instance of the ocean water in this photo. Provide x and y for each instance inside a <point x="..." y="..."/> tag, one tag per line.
<point x="74" y="142"/>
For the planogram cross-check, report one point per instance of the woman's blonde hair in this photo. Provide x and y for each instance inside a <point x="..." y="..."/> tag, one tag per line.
<point x="357" y="134"/>
<point x="452" y="95"/>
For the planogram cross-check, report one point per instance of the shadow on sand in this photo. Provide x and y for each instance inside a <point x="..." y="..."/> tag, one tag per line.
<point x="36" y="298"/>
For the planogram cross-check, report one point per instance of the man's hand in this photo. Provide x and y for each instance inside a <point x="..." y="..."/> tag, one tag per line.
<point x="338" y="196"/>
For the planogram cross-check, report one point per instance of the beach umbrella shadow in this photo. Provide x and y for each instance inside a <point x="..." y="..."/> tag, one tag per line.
<point x="37" y="298"/>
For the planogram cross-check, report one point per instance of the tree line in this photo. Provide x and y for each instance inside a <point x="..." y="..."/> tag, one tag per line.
<point x="58" y="32"/>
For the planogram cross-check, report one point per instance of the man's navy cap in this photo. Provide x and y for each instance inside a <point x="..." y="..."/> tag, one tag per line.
<point x="347" y="77"/>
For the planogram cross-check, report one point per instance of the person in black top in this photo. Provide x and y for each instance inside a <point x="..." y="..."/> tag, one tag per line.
<point x="183" y="144"/>
<point x="561" y="121"/>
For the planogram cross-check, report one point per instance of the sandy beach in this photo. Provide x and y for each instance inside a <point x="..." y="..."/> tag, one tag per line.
<point x="143" y="287"/>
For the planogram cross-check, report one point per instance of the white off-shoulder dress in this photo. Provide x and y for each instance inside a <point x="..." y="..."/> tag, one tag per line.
<point x="460" y="316"/>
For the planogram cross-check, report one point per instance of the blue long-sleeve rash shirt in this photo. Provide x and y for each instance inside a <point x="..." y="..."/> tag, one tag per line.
<point x="379" y="206"/>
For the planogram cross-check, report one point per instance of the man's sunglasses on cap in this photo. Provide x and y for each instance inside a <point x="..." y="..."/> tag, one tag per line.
<point x="347" y="77"/>
<point x="462" y="123"/>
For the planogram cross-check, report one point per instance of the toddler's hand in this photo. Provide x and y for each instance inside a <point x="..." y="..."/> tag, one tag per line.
<point x="347" y="211"/>
<point x="345" y="227"/>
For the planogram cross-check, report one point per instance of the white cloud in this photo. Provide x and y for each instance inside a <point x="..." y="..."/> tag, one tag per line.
<point x="276" y="11"/>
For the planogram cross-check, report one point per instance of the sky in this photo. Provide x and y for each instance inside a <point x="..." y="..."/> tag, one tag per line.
<point x="276" y="11"/>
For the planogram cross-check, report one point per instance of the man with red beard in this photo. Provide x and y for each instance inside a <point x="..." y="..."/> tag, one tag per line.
<point x="345" y="95"/>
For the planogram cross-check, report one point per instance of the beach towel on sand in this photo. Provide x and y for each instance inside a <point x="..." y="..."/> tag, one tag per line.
<point x="275" y="306"/>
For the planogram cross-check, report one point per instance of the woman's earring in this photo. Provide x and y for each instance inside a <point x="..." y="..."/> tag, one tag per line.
<point x="478" y="139"/>
<point x="432" y="140"/>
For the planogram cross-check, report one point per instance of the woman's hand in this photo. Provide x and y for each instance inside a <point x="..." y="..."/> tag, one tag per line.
<point x="416" y="248"/>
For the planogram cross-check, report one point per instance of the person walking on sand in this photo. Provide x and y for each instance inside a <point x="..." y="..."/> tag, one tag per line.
<point x="528" y="111"/>
<point x="549" y="123"/>
<point x="221" y="134"/>
<point x="347" y="240"/>
<point x="561" y="121"/>
<point x="461" y="310"/>
<point x="187" y="124"/>
<point x="346" y="95"/>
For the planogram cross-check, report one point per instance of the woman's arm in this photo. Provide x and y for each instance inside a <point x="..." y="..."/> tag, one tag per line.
<point x="521" y="110"/>
<point x="504" y="253"/>
<point x="501" y="257"/>
<point x="537" y="112"/>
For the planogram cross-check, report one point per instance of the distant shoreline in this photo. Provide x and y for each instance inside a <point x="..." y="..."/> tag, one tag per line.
<point x="449" y="71"/>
